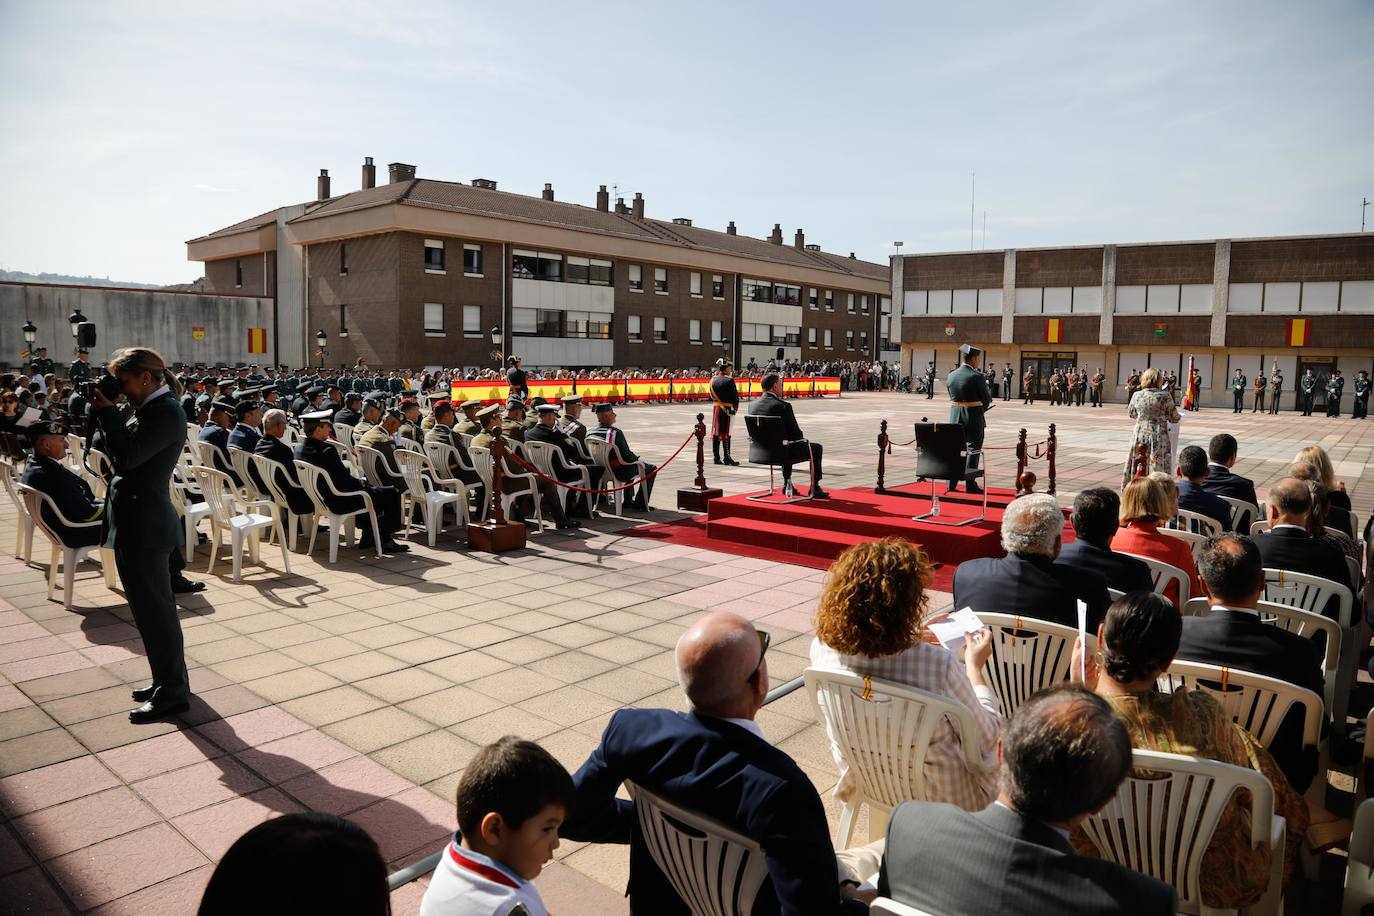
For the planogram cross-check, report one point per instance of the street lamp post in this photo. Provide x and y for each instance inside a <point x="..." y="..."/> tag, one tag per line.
<point x="75" y="320"/>
<point x="725" y="349"/>
<point x="320" y="340"/>
<point x="497" y="354"/>
<point x="30" y="335"/>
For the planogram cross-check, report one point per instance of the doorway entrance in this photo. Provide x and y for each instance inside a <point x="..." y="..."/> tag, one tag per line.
<point x="1044" y="364"/>
<point x="1321" y="367"/>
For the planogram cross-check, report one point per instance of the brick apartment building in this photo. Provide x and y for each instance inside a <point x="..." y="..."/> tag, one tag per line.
<point x="418" y="272"/>
<point x="1301" y="302"/>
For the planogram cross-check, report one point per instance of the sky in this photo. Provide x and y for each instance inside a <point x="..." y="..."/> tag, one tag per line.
<point x="127" y="128"/>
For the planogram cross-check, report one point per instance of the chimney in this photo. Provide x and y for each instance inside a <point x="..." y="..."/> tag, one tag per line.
<point x="813" y="247"/>
<point x="851" y="256"/>
<point x="486" y="183"/>
<point x="620" y="206"/>
<point x="322" y="185"/>
<point x="730" y="229"/>
<point x="776" y="236"/>
<point x="638" y="205"/>
<point x="369" y="174"/>
<point x="399" y="171"/>
<point x="799" y="240"/>
<point x="548" y="191"/>
<point x="682" y="221"/>
<point x="603" y="199"/>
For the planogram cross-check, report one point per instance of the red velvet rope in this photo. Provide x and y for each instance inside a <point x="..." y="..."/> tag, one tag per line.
<point x="542" y="476"/>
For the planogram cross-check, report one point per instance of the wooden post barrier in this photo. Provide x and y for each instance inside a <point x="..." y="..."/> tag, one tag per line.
<point x="884" y="443"/>
<point x="1021" y="462"/>
<point x="695" y="497"/>
<point x="1051" y="447"/>
<point x="496" y="535"/>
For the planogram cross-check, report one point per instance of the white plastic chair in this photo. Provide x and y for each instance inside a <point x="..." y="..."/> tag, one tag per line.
<point x="101" y="470"/>
<point x="267" y="472"/>
<point x="181" y="486"/>
<point x="1243" y="514"/>
<point x="315" y="483"/>
<point x="1027" y="656"/>
<point x="241" y="459"/>
<point x="420" y="491"/>
<point x="1359" y="874"/>
<point x="368" y="459"/>
<point x="1163" y="817"/>
<point x="75" y="445"/>
<point x="23" y="535"/>
<point x="1312" y="593"/>
<point x="716" y="871"/>
<point x="886" y="906"/>
<point x="482" y="462"/>
<point x="1195" y="541"/>
<point x="1194" y="522"/>
<point x="228" y="511"/>
<point x="1258" y="527"/>
<point x="601" y="454"/>
<point x="344" y="433"/>
<point x="883" y="731"/>
<point x="34" y="502"/>
<point x="291" y="435"/>
<point x="441" y="458"/>
<point x="1163" y="574"/>
<point x="548" y="459"/>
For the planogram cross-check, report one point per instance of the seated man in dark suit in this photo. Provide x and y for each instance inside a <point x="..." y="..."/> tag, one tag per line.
<point x="386" y="502"/>
<point x="546" y="430"/>
<point x="713" y="760"/>
<point x="1288" y="546"/>
<point x="216" y="433"/>
<point x="1221" y="457"/>
<point x="1192" y="473"/>
<point x="1028" y="581"/>
<point x="382" y="437"/>
<point x="772" y="404"/>
<point x="249" y="412"/>
<point x="1231" y="634"/>
<point x="351" y="411"/>
<point x="462" y="468"/>
<point x="271" y="446"/>
<point x="1096" y="513"/>
<point x="46" y="473"/>
<point x="1063" y="755"/>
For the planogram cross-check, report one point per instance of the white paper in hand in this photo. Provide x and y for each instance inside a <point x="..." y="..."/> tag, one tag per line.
<point x="952" y="629"/>
<point x="30" y="416"/>
<point x="1083" y="635"/>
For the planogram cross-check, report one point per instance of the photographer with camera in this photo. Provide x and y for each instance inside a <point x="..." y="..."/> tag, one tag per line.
<point x="140" y="523"/>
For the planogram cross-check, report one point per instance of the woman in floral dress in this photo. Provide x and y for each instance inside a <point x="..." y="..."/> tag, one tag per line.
<point x="1153" y="410"/>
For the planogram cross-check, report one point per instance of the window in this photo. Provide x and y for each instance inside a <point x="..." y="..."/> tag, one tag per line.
<point x="850" y="307"/>
<point x="636" y="279"/>
<point x="595" y="325"/>
<point x="343" y="317"/>
<point x="472" y="321"/>
<point x="863" y="341"/>
<point x="238" y="274"/>
<point x="786" y="295"/>
<point x="829" y="301"/>
<point x="885" y="304"/>
<point x="632" y="325"/>
<point x="660" y="330"/>
<point x="827" y="338"/>
<point x="599" y="273"/>
<point x="810" y="337"/>
<point x="758" y="291"/>
<point x="696" y="284"/>
<point x="849" y="340"/>
<point x="863" y="303"/>
<point x="717" y="287"/>
<point x="660" y="279"/>
<point x="434" y="257"/>
<point x="811" y="299"/>
<point x="752" y="333"/>
<point x="343" y="259"/>
<point x="536" y="265"/>
<point x="791" y="337"/>
<point x="472" y="260"/>
<point x="694" y="330"/>
<point x="434" y="319"/>
<point x="716" y="332"/>
<point x="555" y="323"/>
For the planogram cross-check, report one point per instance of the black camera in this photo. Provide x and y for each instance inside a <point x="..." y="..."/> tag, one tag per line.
<point x="105" y="383"/>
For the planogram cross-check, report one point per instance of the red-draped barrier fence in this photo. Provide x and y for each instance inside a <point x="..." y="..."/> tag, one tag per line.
<point x="617" y="391"/>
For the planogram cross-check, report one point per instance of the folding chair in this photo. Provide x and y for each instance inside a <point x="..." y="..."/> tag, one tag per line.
<point x="942" y="454"/>
<point x="35" y="501"/>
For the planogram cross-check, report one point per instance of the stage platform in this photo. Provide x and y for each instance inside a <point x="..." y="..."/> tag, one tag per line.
<point x="813" y="533"/>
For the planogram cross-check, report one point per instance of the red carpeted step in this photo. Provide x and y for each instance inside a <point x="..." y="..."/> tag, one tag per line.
<point x="781" y="536"/>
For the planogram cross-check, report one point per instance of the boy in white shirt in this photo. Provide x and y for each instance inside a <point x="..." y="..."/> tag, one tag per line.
<point x="511" y="800"/>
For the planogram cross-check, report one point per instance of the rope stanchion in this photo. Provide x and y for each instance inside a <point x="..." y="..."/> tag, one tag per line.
<point x="884" y="449"/>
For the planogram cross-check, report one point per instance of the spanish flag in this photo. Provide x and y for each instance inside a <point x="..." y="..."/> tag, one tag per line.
<point x="1299" y="332"/>
<point x="1054" y="330"/>
<point x="257" y="340"/>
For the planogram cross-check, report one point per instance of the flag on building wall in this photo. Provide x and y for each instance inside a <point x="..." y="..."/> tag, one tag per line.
<point x="1054" y="330"/>
<point x="1299" y="332"/>
<point x="257" y="340"/>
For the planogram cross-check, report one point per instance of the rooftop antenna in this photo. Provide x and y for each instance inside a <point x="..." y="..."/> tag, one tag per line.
<point x="972" y="197"/>
<point x="985" y="228"/>
<point x="1364" y="204"/>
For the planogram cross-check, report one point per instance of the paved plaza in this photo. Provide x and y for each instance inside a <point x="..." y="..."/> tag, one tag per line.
<point x="364" y="687"/>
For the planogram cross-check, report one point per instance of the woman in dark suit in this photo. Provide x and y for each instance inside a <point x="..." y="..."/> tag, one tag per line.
<point x="140" y="523"/>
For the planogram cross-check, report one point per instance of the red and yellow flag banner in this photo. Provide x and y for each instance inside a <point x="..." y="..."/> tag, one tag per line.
<point x="615" y="391"/>
<point x="257" y="340"/>
<point x="1299" y="332"/>
<point x="1054" y="330"/>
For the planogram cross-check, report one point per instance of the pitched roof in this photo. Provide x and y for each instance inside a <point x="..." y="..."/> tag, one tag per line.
<point x="458" y="197"/>
<point x="253" y="222"/>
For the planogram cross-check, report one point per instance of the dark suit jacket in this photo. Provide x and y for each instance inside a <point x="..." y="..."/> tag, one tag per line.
<point x="1222" y="482"/>
<point x="770" y="405"/>
<point x="326" y="457"/>
<point x="557" y="438"/>
<point x="1032" y="587"/>
<point x="1238" y="639"/>
<point x="138" y="508"/>
<point x="72" y="495"/>
<point x="245" y="437"/>
<point x="296" y="497"/>
<point x="1121" y="572"/>
<point x="724" y="772"/>
<point x="1339" y="518"/>
<point x="1195" y="498"/>
<point x="995" y="862"/>
<point x="1293" y="550"/>
<point x="218" y="436"/>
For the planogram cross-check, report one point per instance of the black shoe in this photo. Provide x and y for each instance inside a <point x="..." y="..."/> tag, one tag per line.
<point x="567" y="524"/>
<point x="390" y="546"/>
<point x="973" y="487"/>
<point x="143" y="694"/>
<point x="185" y="586"/>
<point x="153" y="710"/>
<point x="818" y="493"/>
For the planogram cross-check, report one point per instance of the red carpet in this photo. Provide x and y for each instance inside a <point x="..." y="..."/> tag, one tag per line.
<point x="814" y="533"/>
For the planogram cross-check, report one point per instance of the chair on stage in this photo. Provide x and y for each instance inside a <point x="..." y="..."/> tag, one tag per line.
<point x="942" y="454"/>
<point x="766" y="446"/>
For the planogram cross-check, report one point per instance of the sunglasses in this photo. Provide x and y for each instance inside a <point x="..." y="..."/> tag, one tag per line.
<point x="765" y="639"/>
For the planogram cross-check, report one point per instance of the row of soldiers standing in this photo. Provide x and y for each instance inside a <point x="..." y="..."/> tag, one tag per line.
<point x="1067" y="387"/>
<point x="1307" y="391"/>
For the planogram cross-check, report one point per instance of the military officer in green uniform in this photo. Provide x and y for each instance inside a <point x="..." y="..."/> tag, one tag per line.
<point x="969" y="399"/>
<point x="42" y="365"/>
<point x="81" y="369"/>
<point x="1361" y="408"/>
<point x="1238" y="386"/>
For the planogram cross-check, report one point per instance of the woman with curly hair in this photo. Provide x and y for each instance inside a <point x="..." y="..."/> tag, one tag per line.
<point x="871" y="622"/>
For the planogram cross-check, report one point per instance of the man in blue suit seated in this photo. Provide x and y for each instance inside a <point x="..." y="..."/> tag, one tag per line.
<point x="216" y="433"/>
<point x="245" y="433"/>
<point x="1192" y="472"/>
<point x="715" y="761"/>
<point x="47" y="474"/>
